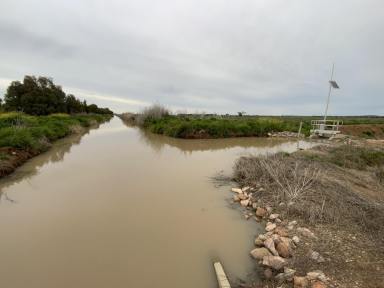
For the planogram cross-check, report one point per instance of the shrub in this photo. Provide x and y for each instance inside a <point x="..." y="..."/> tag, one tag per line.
<point x="17" y="137"/>
<point x="32" y="132"/>
<point x="155" y="112"/>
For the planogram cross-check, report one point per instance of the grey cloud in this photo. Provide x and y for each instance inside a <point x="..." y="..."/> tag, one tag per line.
<point x="262" y="56"/>
<point x="16" y="39"/>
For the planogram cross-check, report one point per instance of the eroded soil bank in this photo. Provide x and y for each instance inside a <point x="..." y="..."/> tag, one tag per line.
<point x="24" y="136"/>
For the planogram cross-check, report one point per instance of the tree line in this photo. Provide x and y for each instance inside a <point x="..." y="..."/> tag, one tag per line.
<point x="40" y="96"/>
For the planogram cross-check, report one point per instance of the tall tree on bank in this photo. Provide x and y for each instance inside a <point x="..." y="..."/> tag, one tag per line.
<point x="37" y="96"/>
<point x="40" y="96"/>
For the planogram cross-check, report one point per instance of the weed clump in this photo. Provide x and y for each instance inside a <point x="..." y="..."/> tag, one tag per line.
<point x="153" y="113"/>
<point x="320" y="189"/>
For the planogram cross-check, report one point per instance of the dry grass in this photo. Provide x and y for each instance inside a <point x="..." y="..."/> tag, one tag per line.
<point x="154" y="112"/>
<point x="317" y="190"/>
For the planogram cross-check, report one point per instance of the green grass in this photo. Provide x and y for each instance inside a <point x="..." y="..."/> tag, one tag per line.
<point x="184" y="127"/>
<point x="23" y="131"/>
<point x="192" y="126"/>
<point x="356" y="157"/>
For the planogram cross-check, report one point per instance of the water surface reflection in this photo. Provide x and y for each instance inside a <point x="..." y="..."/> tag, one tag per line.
<point x="121" y="207"/>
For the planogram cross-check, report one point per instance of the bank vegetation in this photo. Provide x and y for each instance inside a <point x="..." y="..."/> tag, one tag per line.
<point x="157" y="119"/>
<point x="336" y="195"/>
<point x="34" y="114"/>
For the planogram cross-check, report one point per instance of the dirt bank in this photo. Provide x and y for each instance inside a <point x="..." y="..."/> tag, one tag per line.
<point x="374" y="131"/>
<point x="11" y="158"/>
<point x="324" y="215"/>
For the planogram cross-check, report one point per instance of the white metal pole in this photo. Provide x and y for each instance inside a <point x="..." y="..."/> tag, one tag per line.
<point x="329" y="94"/>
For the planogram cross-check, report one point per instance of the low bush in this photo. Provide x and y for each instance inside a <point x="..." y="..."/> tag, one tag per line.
<point x="153" y="113"/>
<point x="22" y="131"/>
<point x="316" y="190"/>
<point x="182" y="127"/>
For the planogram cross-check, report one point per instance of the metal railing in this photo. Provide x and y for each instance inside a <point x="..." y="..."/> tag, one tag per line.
<point x="326" y="127"/>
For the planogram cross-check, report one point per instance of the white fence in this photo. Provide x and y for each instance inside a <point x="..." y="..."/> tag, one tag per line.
<point x="325" y="128"/>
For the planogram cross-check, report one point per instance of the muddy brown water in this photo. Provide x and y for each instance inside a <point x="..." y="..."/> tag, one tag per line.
<point x="119" y="207"/>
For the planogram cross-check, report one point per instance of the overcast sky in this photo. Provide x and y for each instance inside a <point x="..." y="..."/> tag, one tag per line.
<point x="258" y="56"/>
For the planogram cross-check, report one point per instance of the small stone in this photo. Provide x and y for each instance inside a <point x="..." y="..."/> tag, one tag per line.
<point x="259" y="242"/>
<point x="322" y="278"/>
<point x="292" y="223"/>
<point x="300" y="282"/>
<point x="290" y="227"/>
<point x="269" y="209"/>
<point x="273" y="216"/>
<point x="262" y="237"/>
<point x="286" y="276"/>
<point x="244" y="203"/>
<point x="270" y="226"/>
<point x="261" y="189"/>
<point x="260" y="212"/>
<point x="259" y="253"/>
<point x="237" y="190"/>
<point x="244" y="189"/>
<point x="281" y="231"/>
<point x="242" y="196"/>
<point x="306" y="232"/>
<point x="296" y="239"/>
<point x="314" y="255"/>
<point x="275" y="262"/>
<point x="278" y="220"/>
<point x="236" y="198"/>
<point x="270" y="244"/>
<point x="283" y="249"/>
<point x="314" y="275"/>
<point x="268" y="273"/>
<point x="318" y="284"/>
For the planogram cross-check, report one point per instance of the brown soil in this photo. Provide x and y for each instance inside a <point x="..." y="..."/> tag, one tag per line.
<point x="11" y="158"/>
<point x="374" y="131"/>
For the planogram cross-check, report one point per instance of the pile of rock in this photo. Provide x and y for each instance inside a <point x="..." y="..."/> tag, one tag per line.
<point x="287" y="134"/>
<point x="276" y="246"/>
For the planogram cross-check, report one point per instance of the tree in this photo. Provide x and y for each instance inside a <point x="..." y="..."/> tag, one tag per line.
<point x="73" y="105"/>
<point x="40" y="96"/>
<point x="37" y="96"/>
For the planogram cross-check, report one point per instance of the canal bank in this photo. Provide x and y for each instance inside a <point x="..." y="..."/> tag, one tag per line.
<point x="123" y="208"/>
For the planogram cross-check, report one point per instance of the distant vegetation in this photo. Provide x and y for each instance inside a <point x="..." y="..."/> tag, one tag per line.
<point x="160" y="120"/>
<point x="40" y="96"/>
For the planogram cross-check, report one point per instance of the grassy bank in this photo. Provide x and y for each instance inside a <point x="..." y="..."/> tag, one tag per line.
<point x="336" y="191"/>
<point x="184" y="127"/>
<point x="159" y="120"/>
<point x="23" y="136"/>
